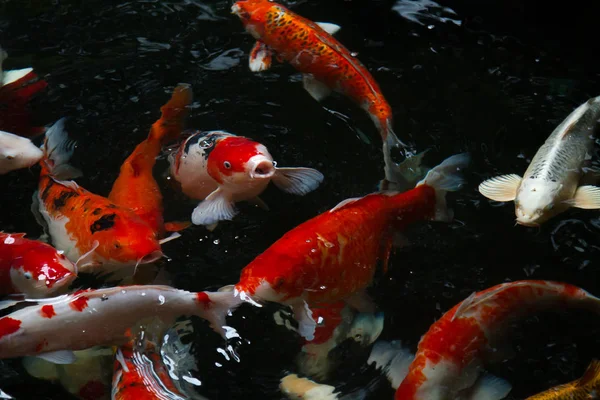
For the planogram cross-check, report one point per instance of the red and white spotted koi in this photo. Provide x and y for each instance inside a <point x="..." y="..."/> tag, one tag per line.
<point x="53" y="328"/>
<point x="450" y="356"/>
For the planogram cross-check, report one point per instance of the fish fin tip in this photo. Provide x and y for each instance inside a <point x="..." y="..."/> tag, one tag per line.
<point x="344" y="203"/>
<point x="393" y="359"/>
<point x="317" y="89"/>
<point x="295" y="387"/>
<point x="58" y="357"/>
<point x="446" y="177"/>
<point x="261" y="57"/>
<point x="465" y="305"/>
<point x="216" y="207"/>
<point x="299" y="181"/>
<point x="489" y="387"/>
<point x="221" y="304"/>
<point x="306" y="322"/>
<point x="13" y="75"/>
<point x="328" y="27"/>
<point x="176" y="226"/>
<point x="586" y="197"/>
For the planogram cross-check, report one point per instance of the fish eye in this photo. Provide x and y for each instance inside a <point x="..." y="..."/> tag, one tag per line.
<point x="27" y="275"/>
<point x="227" y="164"/>
<point x="117" y="245"/>
<point x="549" y="206"/>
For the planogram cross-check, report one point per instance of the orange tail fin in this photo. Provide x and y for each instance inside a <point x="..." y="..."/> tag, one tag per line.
<point x="170" y="124"/>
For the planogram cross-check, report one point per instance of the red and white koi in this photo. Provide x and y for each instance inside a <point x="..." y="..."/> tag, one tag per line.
<point x="221" y="169"/>
<point x="450" y="356"/>
<point x="17" y="152"/>
<point x="32" y="268"/>
<point x="325" y="63"/>
<point x="17" y="87"/>
<point x="53" y="328"/>
<point x="333" y="256"/>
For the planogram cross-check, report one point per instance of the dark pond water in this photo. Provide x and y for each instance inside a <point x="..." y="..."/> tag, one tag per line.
<point x="491" y="78"/>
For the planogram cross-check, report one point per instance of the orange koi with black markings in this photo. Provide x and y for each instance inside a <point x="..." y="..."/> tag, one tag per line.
<point x="88" y="228"/>
<point x="325" y="63"/>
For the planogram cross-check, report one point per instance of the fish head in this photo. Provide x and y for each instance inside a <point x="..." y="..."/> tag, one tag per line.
<point x="240" y="164"/>
<point x="366" y="327"/>
<point x="536" y="201"/>
<point x="17" y="152"/>
<point x="41" y="271"/>
<point x="254" y="15"/>
<point x="128" y="241"/>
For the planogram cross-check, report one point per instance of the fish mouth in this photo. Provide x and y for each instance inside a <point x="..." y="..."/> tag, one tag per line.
<point x="150" y="258"/>
<point x="263" y="169"/>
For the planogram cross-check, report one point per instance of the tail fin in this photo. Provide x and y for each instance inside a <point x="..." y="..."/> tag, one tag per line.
<point x="393" y="359"/>
<point x="217" y="305"/>
<point x="591" y="376"/>
<point x="170" y="124"/>
<point x="58" y="149"/>
<point x="402" y="177"/>
<point x="446" y="178"/>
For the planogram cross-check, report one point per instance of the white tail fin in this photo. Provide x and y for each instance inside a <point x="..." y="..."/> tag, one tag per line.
<point x="58" y="149"/>
<point x="446" y="177"/>
<point x="393" y="359"/>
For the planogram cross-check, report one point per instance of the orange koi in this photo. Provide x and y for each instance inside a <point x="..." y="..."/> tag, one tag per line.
<point x="325" y="63"/>
<point x="136" y="188"/>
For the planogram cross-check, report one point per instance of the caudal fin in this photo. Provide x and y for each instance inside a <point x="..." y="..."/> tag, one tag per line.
<point x="404" y="176"/>
<point x="173" y="113"/>
<point x="58" y="149"/>
<point x="446" y="177"/>
<point x="392" y="359"/>
<point x="215" y="306"/>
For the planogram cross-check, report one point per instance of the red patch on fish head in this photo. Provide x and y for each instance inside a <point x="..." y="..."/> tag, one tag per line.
<point x="253" y="14"/>
<point x="47" y="311"/>
<point x="46" y="266"/>
<point x="203" y="299"/>
<point x="129" y="241"/>
<point x="92" y="390"/>
<point x="8" y="325"/>
<point x="228" y="161"/>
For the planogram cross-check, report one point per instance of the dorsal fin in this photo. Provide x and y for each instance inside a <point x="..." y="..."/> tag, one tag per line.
<point x="569" y="123"/>
<point x="591" y="374"/>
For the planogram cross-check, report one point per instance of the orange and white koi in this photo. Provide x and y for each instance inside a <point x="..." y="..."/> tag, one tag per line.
<point x="136" y="188"/>
<point x="88" y="228"/>
<point x="222" y="169"/>
<point x="17" y="87"/>
<point x="53" y="328"/>
<point x="17" y="152"/>
<point x="32" y="268"/>
<point x="333" y="256"/>
<point x="450" y="356"/>
<point x="325" y="63"/>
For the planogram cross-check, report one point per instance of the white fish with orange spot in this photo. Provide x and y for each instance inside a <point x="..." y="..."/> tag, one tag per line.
<point x="551" y="183"/>
<point x="222" y="169"/>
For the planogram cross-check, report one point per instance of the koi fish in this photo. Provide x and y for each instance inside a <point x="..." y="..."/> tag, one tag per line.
<point x="53" y="328"/>
<point x="17" y="87"/>
<point x="222" y="169"/>
<point x="393" y="359"/>
<point x="88" y="228"/>
<point x="296" y="388"/>
<point x="585" y="388"/>
<point x="325" y="63"/>
<point x="335" y="323"/>
<point x="136" y="188"/>
<point x="333" y="256"/>
<point x="140" y="373"/>
<point x="87" y="378"/>
<point x="17" y="152"/>
<point x="32" y="268"/>
<point x="450" y="356"/>
<point x="551" y="182"/>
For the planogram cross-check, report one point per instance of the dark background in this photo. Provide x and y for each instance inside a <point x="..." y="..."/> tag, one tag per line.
<point x="495" y="85"/>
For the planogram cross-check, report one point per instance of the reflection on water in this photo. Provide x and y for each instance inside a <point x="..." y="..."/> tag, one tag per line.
<point x="419" y="10"/>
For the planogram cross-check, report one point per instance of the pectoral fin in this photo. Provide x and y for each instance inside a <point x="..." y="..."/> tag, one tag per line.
<point x="306" y="323"/>
<point x="586" y="197"/>
<point x="328" y="27"/>
<point x="58" y="357"/>
<point x="216" y="207"/>
<point x="318" y="90"/>
<point x="261" y="57"/>
<point x="299" y="181"/>
<point x="501" y="188"/>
